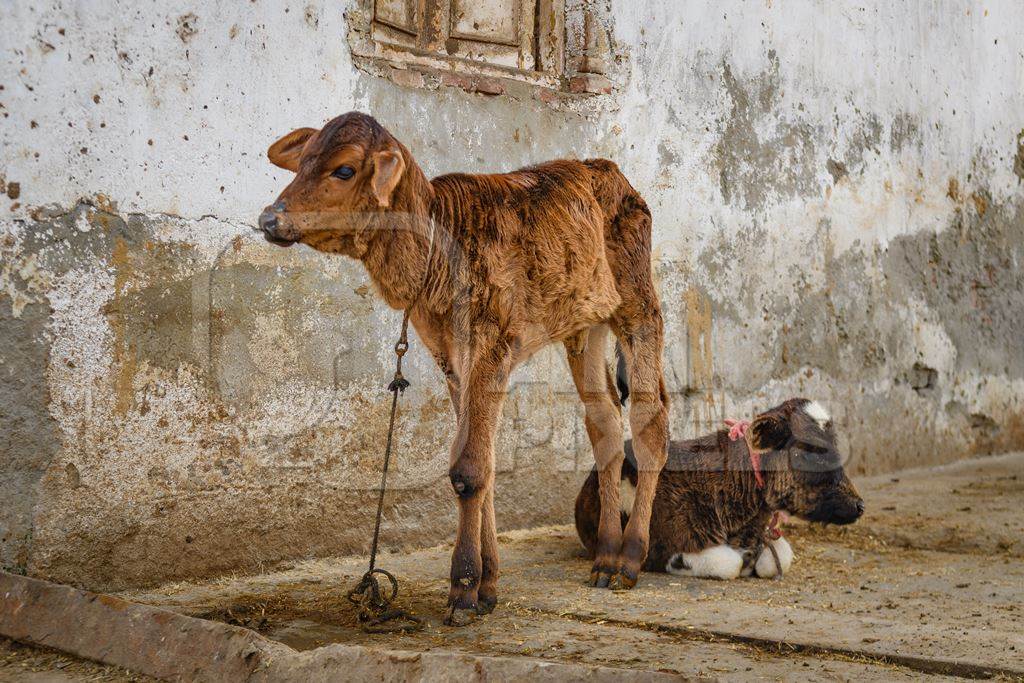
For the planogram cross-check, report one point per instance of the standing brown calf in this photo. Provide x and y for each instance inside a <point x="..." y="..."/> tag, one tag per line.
<point x="558" y="252"/>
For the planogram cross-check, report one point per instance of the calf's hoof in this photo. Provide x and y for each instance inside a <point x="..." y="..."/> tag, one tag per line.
<point x="623" y="580"/>
<point x="602" y="572"/>
<point x="460" y="616"/>
<point x="601" y="578"/>
<point x="485" y="605"/>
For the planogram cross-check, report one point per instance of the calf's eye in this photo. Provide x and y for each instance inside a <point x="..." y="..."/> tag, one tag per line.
<point x="343" y="172"/>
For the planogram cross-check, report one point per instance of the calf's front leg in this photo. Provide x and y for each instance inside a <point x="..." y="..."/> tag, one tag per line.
<point x="474" y="569"/>
<point x="766" y="567"/>
<point x="487" y="596"/>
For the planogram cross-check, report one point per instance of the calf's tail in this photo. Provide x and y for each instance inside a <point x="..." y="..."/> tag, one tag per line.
<point x="621" y="374"/>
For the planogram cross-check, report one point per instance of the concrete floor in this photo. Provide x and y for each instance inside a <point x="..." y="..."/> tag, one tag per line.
<point x="931" y="580"/>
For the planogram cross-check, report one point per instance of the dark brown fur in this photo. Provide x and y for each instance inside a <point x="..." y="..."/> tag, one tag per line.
<point x="558" y="252"/>
<point x="707" y="494"/>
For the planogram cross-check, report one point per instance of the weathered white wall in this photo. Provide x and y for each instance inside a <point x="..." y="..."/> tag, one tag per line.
<point x="836" y="189"/>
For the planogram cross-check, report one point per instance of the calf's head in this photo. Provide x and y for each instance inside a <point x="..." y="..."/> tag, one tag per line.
<point x="347" y="175"/>
<point x="808" y="475"/>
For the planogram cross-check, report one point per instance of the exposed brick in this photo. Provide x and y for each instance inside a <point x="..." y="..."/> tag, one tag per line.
<point x="547" y="95"/>
<point x="457" y="81"/>
<point x="489" y="86"/>
<point x="483" y="85"/>
<point x="590" y="83"/>
<point x="407" y="78"/>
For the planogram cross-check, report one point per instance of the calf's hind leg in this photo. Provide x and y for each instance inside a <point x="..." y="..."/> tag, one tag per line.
<point x="586" y="355"/>
<point x="648" y="421"/>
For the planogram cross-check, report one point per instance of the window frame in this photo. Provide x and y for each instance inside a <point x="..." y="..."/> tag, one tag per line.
<point x="426" y="47"/>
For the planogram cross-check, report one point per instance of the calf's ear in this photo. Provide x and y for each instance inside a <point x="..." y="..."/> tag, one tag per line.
<point x="770" y="431"/>
<point x="388" y="167"/>
<point x="287" y="151"/>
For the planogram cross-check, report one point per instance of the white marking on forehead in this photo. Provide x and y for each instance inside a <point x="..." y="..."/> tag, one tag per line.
<point x="817" y="412"/>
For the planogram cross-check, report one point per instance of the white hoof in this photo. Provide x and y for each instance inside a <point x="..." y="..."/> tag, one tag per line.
<point x="765" y="565"/>
<point x="717" y="562"/>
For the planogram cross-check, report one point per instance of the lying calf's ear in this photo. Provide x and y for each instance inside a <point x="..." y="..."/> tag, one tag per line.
<point x="770" y="431"/>
<point x="287" y="151"/>
<point x="388" y="167"/>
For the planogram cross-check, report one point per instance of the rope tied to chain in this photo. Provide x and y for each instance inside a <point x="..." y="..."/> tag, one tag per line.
<point x="773" y="532"/>
<point x="766" y="542"/>
<point x="374" y="604"/>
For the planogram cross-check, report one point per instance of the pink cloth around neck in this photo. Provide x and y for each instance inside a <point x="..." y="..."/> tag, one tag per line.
<point x="738" y="430"/>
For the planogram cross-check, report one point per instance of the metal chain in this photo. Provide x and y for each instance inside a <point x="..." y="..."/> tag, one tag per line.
<point x="375" y="611"/>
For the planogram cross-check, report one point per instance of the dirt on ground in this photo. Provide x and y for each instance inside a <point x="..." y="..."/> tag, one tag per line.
<point x="26" y="664"/>
<point x="929" y="581"/>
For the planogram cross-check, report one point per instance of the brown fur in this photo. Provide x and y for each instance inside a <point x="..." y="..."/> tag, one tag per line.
<point x="554" y="252"/>
<point x="707" y="494"/>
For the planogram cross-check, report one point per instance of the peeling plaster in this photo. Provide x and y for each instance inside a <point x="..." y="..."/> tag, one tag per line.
<point x="177" y="399"/>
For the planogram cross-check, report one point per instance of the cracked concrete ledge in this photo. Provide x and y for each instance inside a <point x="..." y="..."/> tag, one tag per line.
<point x="172" y="646"/>
<point x="114" y="631"/>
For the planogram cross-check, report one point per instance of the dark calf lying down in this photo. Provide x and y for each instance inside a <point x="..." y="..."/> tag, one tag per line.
<point x="720" y="498"/>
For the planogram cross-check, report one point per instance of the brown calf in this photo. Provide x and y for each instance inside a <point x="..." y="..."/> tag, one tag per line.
<point x="711" y="513"/>
<point x="558" y="252"/>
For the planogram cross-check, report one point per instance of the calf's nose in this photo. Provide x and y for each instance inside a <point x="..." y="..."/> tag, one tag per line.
<point x="268" y="222"/>
<point x="274" y="231"/>
<point x="860" y="508"/>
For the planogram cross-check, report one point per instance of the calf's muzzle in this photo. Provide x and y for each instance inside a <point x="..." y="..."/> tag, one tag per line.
<point x="838" y="508"/>
<point x="269" y="225"/>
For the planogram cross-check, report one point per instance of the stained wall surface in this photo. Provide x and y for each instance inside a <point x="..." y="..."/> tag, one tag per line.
<point x="837" y="198"/>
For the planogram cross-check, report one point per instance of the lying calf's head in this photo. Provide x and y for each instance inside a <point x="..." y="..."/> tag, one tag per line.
<point x="808" y="475"/>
